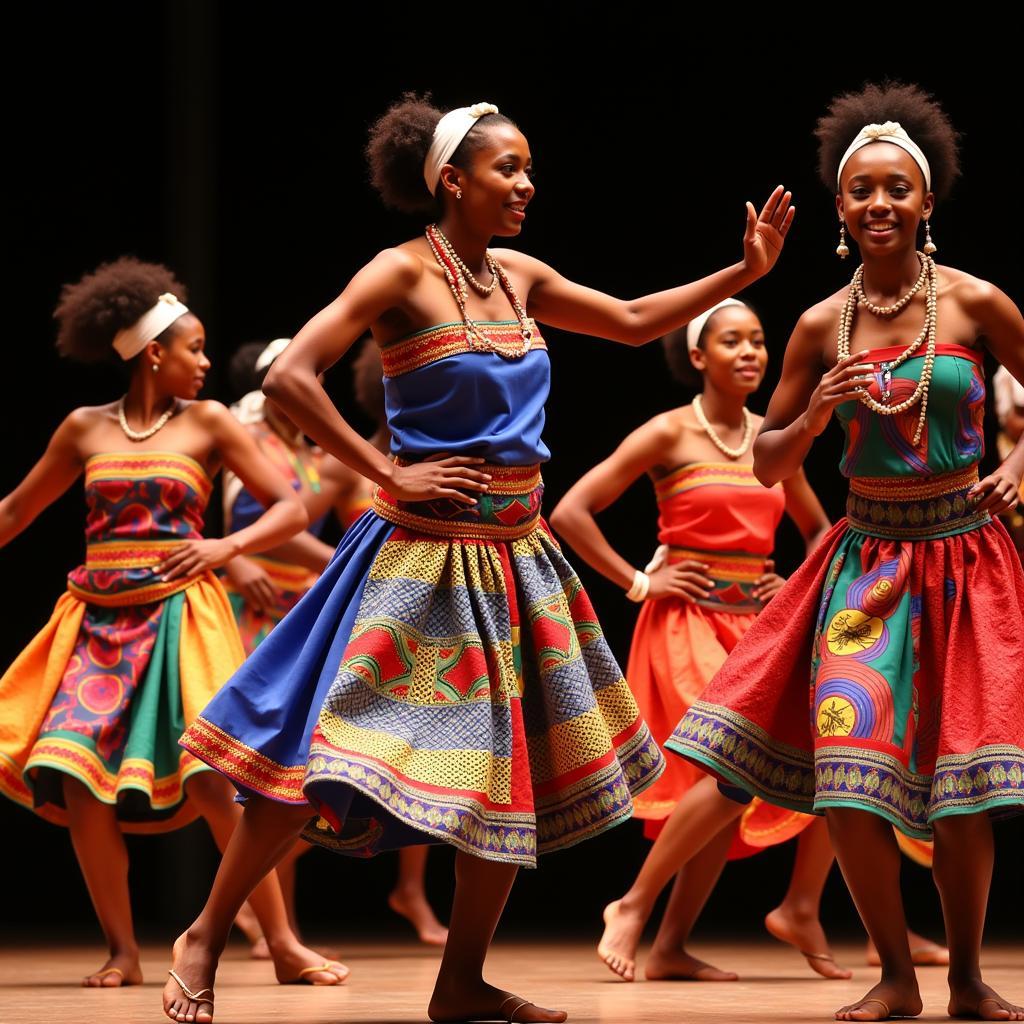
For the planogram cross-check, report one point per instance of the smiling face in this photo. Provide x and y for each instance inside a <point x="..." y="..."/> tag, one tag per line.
<point x="883" y="199"/>
<point x="496" y="185"/>
<point x="180" y="358"/>
<point x="732" y="355"/>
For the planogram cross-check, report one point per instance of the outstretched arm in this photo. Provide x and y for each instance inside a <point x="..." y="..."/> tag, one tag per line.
<point x="48" y="479"/>
<point x="284" y="515"/>
<point x="573" y="516"/>
<point x="562" y="303"/>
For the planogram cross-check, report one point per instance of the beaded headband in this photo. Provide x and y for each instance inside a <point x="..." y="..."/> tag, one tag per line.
<point x="449" y="132"/>
<point x="130" y="341"/>
<point x="696" y="325"/>
<point x="892" y="132"/>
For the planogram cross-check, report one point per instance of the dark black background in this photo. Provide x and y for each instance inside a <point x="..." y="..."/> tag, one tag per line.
<point x="225" y="139"/>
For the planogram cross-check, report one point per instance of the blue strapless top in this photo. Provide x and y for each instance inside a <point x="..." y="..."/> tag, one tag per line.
<point x="441" y="395"/>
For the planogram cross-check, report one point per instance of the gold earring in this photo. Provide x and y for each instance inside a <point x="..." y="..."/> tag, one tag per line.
<point x="842" y="249"/>
<point x="458" y="193"/>
<point x="929" y="246"/>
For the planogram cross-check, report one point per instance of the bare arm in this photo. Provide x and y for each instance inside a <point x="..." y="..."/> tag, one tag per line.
<point x="284" y="515"/>
<point x="804" y="508"/>
<point x="1002" y="328"/>
<point x="562" y="303"/>
<point x="803" y="402"/>
<point x="48" y="479"/>
<point x="573" y="516"/>
<point x="292" y="382"/>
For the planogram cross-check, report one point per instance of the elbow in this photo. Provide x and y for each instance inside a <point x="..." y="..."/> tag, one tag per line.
<point x="766" y="473"/>
<point x="560" y="518"/>
<point x="280" y="384"/>
<point x="298" y="515"/>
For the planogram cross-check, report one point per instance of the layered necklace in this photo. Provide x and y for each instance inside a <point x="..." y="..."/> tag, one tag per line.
<point x="857" y="296"/>
<point x="748" y="430"/>
<point x="460" y="279"/>
<point x="141" y="435"/>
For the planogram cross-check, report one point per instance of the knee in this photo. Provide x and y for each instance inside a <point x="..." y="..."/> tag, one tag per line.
<point x="75" y="791"/>
<point x="209" y="790"/>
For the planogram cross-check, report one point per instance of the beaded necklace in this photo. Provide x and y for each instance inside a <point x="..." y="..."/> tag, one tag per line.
<point x="748" y="430"/>
<point x="450" y="263"/>
<point x="142" y="435"/>
<point x="857" y="297"/>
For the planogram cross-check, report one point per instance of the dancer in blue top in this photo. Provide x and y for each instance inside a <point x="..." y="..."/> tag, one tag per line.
<point x="446" y="679"/>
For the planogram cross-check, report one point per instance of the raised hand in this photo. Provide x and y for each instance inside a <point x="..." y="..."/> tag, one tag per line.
<point x="766" y="234"/>
<point x="439" y="478"/>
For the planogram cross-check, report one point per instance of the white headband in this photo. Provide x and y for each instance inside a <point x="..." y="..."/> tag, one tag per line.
<point x="449" y="132"/>
<point x="892" y="132"/>
<point x="695" y="326"/>
<point x="271" y="352"/>
<point x="130" y="341"/>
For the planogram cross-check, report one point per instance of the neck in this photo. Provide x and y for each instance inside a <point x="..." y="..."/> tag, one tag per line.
<point x="888" y="278"/>
<point x="469" y="245"/>
<point x="721" y="407"/>
<point x="144" y="401"/>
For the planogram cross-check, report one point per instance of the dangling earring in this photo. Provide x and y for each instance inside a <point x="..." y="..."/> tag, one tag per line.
<point x="929" y="246"/>
<point x="842" y="249"/>
<point x="458" y="193"/>
<point x="155" y="367"/>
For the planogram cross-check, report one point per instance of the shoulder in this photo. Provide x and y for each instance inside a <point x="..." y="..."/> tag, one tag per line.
<point x="972" y="293"/>
<point x="211" y="415"/>
<point x="665" y="430"/>
<point x="520" y="262"/>
<point x="820" y="320"/>
<point x="87" y="416"/>
<point x="403" y="262"/>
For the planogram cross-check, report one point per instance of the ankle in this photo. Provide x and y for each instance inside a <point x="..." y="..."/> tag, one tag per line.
<point x="200" y="937"/>
<point x="800" y="910"/>
<point x="124" y="950"/>
<point x="633" y="905"/>
<point x="961" y="977"/>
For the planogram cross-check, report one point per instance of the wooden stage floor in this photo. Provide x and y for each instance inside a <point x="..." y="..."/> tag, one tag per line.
<point x="390" y="984"/>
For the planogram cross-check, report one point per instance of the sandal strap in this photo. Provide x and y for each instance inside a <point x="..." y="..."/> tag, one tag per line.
<point x="522" y="1002"/>
<point x="881" y="1002"/>
<point x="818" y="956"/>
<point x="197" y="997"/>
<point x="324" y="968"/>
<point x="108" y="972"/>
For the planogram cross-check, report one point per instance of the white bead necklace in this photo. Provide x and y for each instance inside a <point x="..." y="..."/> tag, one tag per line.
<point x="748" y="430"/>
<point x="927" y="335"/>
<point x="141" y="435"/>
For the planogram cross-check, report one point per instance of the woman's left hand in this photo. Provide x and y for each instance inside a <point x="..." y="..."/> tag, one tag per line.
<point x="997" y="493"/>
<point x="765" y="234"/>
<point x="768" y="585"/>
<point x="194" y="557"/>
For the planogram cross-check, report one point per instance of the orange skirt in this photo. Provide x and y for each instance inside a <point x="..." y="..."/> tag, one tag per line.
<point x="677" y="647"/>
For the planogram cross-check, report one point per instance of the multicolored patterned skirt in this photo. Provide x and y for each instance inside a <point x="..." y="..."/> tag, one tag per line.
<point x="290" y="582"/>
<point x="678" y="646"/>
<point x="104" y="692"/>
<point x="446" y="680"/>
<point x="909" y="621"/>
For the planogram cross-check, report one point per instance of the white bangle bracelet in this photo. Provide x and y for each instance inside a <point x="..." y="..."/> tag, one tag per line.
<point x="641" y="584"/>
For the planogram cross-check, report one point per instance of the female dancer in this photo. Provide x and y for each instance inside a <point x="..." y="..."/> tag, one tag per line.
<point x="263" y="588"/>
<point x="446" y="679"/>
<point x="713" y="574"/>
<point x="95" y="705"/>
<point x="919" y="581"/>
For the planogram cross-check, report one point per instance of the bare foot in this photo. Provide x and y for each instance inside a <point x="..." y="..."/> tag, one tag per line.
<point x="413" y="906"/>
<point x="805" y="934"/>
<point x="973" y="999"/>
<point x="923" y="952"/>
<point x="887" y="999"/>
<point x="191" y="998"/>
<point x="294" y="964"/>
<point x="259" y="950"/>
<point x="120" y="969"/>
<point x="680" y="966"/>
<point x="617" y="948"/>
<point x="485" y="1003"/>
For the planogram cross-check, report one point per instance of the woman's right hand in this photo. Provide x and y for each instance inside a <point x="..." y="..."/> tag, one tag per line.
<point x="439" y="477"/>
<point x="252" y="581"/>
<point x="684" y="579"/>
<point x="838" y="385"/>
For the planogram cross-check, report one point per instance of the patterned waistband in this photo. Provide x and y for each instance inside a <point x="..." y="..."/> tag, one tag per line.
<point x="128" y="554"/>
<point x="510" y="508"/>
<point x="734" y="574"/>
<point x="914" y="508"/>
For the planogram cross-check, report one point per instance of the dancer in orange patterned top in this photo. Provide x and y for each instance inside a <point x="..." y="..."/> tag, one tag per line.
<point x="711" y="575"/>
<point x="93" y="708"/>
